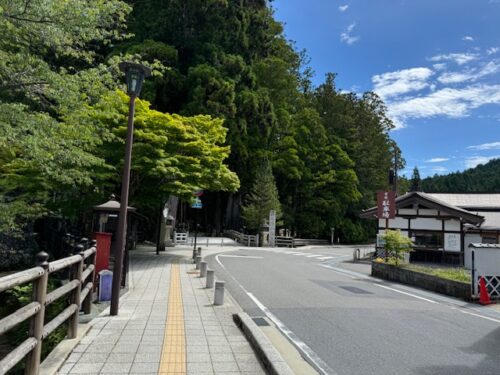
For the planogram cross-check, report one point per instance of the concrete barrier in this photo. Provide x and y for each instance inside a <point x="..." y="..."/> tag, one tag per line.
<point x="421" y="280"/>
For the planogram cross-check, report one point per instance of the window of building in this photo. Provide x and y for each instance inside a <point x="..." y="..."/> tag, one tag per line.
<point x="489" y="239"/>
<point x="431" y="240"/>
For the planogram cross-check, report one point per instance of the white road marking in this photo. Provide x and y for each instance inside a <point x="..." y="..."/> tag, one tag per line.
<point x="240" y="256"/>
<point x="299" y="254"/>
<point x="313" y="256"/>
<point x="479" y="316"/>
<point x="405" y="293"/>
<point x="302" y="346"/>
<point x="326" y="258"/>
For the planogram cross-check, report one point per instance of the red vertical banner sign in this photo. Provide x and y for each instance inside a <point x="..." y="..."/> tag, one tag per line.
<point x="386" y="204"/>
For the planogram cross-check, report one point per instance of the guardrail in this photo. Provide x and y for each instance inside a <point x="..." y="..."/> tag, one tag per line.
<point x="244" y="239"/>
<point x="79" y="287"/>
<point x="282" y="241"/>
<point x="181" y="237"/>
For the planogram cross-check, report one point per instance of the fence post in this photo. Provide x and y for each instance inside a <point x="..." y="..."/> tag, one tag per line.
<point x="37" y="321"/>
<point x="75" y="299"/>
<point x="87" y="303"/>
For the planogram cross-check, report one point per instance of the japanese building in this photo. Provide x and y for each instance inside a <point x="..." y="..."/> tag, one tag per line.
<point x="442" y="226"/>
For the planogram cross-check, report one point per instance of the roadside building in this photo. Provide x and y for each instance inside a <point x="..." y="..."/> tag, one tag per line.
<point x="442" y="226"/>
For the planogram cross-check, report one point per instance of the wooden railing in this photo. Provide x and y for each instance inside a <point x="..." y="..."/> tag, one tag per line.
<point x="282" y="241"/>
<point x="244" y="239"/>
<point x="79" y="288"/>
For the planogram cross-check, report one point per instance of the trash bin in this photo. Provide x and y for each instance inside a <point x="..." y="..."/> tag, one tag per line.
<point x="105" y="283"/>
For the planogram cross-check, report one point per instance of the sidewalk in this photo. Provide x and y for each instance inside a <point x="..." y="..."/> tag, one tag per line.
<point x="166" y="325"/>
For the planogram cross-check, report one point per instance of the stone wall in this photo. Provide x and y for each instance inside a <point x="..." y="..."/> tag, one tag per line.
<point x="422" y="280"/>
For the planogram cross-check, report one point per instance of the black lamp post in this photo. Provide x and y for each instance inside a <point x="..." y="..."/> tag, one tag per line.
<point x="134" y="75"/>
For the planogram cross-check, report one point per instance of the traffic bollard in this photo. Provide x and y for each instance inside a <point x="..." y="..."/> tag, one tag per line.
<point x="210" y="279"/>
<point x="198" y="261"/>
<point x="203" y="269"/>
<point x="199" y="251"/>
<point x="219" y="293"/>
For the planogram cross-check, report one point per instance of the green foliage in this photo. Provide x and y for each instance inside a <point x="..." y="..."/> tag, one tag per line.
<point x="172" y="154"/>
<point x="261" y="200"/>
<point x="415" y="182"/>
<point x="329" y="151"/>
<point x="485" y="178"/>
<point x="48" y="67"/>
<point x="396" y="245"/>
<point x="455" y="274"/>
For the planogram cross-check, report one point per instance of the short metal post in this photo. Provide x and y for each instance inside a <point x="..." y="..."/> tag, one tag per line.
<point x="195" y="254"/>
<point x="198" y="261"/>
<point x="203" y="269"/>
<point x="75" y="299"/>
<point x="37" y="321"/>
<point x="199" y="252"/>
<point x="219" y="293"/>
<point x="207" y="241"/>
<point x="210" y="279"/>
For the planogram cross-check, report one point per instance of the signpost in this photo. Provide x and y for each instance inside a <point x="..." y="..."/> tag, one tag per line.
<point x="386" y="205"/>
<point x="272" y="228"/>
<point x="197" y="204"/>
<point x="386" y="209"/>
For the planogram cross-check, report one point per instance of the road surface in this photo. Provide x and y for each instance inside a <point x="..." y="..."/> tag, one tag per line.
<point x="345" y="322"/>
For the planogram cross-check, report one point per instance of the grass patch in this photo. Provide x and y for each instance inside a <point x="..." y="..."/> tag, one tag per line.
<point x="455" y="274"/>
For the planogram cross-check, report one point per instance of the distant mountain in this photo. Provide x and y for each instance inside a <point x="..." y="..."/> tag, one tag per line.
<point x="484" y="178"/>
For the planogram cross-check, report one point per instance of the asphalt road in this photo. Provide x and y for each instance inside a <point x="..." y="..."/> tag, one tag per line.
<point x="348" y="323"/>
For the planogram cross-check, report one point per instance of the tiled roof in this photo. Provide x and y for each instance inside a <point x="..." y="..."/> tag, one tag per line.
<point x="469" y="200"/>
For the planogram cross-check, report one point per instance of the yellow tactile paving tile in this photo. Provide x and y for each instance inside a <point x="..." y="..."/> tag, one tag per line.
<point x="173" y="357"/>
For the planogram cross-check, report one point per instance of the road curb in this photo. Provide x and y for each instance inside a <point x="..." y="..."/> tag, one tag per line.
<point x="271" y="359"/>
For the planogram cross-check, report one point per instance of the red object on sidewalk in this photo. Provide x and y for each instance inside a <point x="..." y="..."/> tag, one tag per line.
<point x="103" y="249"/>
<point x="484" y="297"/>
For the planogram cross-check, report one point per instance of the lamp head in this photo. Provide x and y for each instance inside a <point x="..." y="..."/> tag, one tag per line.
<point x="134" y="76"/>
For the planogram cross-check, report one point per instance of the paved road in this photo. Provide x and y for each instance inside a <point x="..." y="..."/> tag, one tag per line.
<point x="349" y="323"/>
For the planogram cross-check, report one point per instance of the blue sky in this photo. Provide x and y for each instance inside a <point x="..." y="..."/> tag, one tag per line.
<point x="436" y="64"/>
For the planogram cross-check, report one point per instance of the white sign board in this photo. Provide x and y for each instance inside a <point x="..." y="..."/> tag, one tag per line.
<point x="272" y="228"/>
<point x="452" y="242"/>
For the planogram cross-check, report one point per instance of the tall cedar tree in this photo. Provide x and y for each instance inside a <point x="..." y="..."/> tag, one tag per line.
<point x="261" y="200"/>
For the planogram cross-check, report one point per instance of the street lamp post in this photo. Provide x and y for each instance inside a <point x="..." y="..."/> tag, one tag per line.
<point x="134" y="75"/>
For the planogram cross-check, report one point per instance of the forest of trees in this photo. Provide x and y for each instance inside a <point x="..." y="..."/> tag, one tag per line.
<point x="229" y="96"/>
<point x="485" y="178"/>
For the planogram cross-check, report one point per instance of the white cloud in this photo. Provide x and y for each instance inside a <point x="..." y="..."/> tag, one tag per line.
<point x="459" y="58"/>
<point x="486" y="146"/>
<point x="346" y="35"/>
<point x="492" y="50"/>
<point x="474" y="161"/>
<point x="455" y="77"/>
<point x="450" y="102"/>
<point x="440" y="66"/>
<point x="439" y="170"/>
<point x="343" y="8"/>
<point x="491" y="67"/>
<point x="468" y="38"/>
<point x="437" y="160"/>
<point x="401" y="81"/>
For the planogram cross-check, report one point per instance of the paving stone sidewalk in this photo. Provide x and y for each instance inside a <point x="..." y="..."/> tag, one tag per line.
<point x="133" y="341"/>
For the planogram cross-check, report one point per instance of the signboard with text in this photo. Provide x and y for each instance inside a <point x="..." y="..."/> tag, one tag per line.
<point x="386" y="205"/>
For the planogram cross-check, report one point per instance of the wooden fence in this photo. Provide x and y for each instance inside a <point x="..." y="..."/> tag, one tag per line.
<point x="244" y="239"/>
<point x="79" y="288"/>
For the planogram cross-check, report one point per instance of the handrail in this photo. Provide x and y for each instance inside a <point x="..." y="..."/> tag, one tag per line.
<point x="82" y="267"/>
<point x="15" y="356"/>
<point x="19" y="278"/>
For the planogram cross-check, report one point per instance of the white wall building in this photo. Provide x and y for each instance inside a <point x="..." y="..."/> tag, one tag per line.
<point x="443" y="226"/>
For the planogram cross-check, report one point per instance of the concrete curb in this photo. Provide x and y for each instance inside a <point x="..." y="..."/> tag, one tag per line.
<point x="55" y="360"/>
<point x="273" y="362"/>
